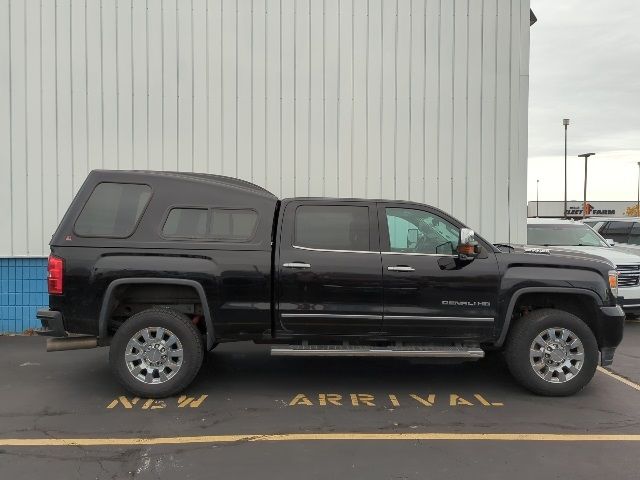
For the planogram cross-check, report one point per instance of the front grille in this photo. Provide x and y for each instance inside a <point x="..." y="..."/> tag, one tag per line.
<point x="628" y="275"/>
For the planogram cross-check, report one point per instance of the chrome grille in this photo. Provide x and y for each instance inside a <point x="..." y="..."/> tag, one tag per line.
<point x="628" y="275"/>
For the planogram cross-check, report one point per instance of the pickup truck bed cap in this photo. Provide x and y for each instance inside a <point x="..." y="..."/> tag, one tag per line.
<point x="217" y="180"/>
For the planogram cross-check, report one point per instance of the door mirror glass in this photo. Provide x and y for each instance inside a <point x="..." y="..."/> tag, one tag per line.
<point x="468" y="248"/>
<point x="610" y="242"/>
<point x="467" y="236"/>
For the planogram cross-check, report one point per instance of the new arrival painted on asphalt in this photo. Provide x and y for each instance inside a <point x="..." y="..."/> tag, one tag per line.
<point x="248" y="414"/>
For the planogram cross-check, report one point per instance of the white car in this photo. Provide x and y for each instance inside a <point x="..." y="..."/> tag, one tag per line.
<point x="574" y="235"/>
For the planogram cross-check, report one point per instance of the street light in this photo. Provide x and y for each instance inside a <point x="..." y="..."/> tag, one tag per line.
<point x="538" y="196"/>
<point x="584" y="205"/>
<point x="565" y="122"/>
<point x="638" y="210"/>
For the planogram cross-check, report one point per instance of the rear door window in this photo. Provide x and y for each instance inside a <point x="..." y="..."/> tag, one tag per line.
<point x="113" y="210"/>
<point x="617" y="231"/>
<point x="332" y="227"/>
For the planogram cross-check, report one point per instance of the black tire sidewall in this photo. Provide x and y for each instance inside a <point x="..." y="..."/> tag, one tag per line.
<point x="519" y="342"/>
<point x="179" y="325"/>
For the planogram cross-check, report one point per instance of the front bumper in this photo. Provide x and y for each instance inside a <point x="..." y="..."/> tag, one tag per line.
<point x="629" y="305"/>
<point x="52" y="323"/>
<point x="629" y="298"/>
<point x="609" y="332"/>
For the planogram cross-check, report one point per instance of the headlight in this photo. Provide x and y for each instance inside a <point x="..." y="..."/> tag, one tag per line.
<point x="613" y="282"/>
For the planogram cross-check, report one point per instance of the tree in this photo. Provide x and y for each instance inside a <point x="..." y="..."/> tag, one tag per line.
<point x="632" y="211"/>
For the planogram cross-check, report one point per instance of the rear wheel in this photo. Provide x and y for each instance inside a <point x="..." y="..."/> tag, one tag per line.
<point x="551" y="352"/>
<point x="156" y="353"/>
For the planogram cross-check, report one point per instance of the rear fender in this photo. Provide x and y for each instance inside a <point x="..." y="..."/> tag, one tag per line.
<point x="107" y="303"/>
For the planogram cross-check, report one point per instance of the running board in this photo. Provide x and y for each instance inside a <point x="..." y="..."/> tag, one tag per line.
<point x="80" y="342"/>
<point x="433" y="351"/>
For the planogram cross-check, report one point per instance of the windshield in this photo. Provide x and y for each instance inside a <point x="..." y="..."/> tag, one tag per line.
<point x="563" y="235"/>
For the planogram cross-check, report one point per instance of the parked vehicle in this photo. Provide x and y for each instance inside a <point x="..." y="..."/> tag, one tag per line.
<point x="575" y="235"/>
<point x="164" y="266"/>
<point x="624" y="233"/>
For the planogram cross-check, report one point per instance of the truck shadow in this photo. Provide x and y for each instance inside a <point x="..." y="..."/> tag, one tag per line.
<point x="251" y="366"/>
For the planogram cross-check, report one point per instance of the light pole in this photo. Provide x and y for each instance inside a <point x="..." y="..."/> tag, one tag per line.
<point x="538" y="196"/>
<point x="584" y="204"/>
<point x="565" y="122"/>
<point x="638" y="207"/>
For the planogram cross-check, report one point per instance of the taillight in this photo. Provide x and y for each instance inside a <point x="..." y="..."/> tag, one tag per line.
<point x="54" y="279"/>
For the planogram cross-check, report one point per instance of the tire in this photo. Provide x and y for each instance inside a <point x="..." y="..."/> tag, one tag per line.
<point x="164" y="353"/>
<point x="556" y="359"/>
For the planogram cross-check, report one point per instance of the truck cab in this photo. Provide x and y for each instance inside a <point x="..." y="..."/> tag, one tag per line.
<point x="163" y="266"/>
<point x="378" y="268"/>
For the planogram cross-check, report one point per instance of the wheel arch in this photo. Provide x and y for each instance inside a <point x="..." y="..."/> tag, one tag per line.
<point x="107" y="302"/>
<point x="571" y="293"/>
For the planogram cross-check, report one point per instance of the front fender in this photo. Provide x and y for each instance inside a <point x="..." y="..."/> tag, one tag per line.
<point x="518" y="281"/>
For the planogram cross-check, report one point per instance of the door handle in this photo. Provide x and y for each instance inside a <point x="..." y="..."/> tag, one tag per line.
<point x="296" y="265"/>
<point x="401" y="268"/>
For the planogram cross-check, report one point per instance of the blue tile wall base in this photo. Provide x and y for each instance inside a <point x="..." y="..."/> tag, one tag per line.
<point x="23" y="290"/>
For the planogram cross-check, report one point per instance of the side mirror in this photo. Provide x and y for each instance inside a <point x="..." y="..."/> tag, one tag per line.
<point x="468" y="248"/>
<point x="610" y="242"/>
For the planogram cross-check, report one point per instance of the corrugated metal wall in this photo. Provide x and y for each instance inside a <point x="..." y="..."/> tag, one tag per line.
<point x="412" y="99"/>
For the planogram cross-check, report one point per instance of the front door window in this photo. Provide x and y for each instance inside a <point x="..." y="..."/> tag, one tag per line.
<point x="417" y="231"/>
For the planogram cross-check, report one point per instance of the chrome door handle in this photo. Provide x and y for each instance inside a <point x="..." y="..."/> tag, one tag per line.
<point x="401" y="268"/>
<point x="296" y="265"/>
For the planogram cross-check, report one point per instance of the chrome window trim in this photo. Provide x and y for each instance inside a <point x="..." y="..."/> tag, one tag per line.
<point x="370" y="251"/>
<point x="330" y="250"/>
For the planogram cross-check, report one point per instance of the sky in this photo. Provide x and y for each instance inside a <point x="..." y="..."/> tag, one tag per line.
<point x="585" y="66"/>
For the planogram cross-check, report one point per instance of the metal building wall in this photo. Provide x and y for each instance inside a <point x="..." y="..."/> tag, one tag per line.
<point x="411" y="99"/>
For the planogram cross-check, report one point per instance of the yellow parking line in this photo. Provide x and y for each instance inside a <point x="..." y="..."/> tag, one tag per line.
<point x="305" y="437"/>
<point x="619" y="378"/>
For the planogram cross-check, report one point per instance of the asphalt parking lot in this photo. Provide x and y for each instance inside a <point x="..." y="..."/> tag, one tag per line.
<point x="251" y="415"/>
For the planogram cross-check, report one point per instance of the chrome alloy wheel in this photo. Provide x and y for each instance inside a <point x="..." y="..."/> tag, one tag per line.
<point x="154" y="355"/>
<point x="556" y="355"/>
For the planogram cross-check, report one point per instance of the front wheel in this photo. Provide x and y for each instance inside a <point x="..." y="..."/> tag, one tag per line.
<point x="156" y="353"/>
<point x="551" y="352"/>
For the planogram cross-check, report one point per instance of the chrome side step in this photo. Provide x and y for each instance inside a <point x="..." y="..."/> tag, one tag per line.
<point x="434" y="351"/>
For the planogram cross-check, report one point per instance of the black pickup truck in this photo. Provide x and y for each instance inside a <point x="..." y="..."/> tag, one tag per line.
<point x="164" y="266"/>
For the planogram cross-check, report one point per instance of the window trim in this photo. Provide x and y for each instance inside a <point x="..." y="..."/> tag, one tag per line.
<point x="312" y="249"/>
<point x="207" y="238"/>
<point x="135" y="226"/>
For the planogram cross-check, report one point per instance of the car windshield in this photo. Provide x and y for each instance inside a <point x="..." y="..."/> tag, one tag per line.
<point x="563" y="235"/>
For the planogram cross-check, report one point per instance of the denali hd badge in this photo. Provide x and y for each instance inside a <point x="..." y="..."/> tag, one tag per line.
<point x="465" y="303"/>
<point x="543" y="251"/>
